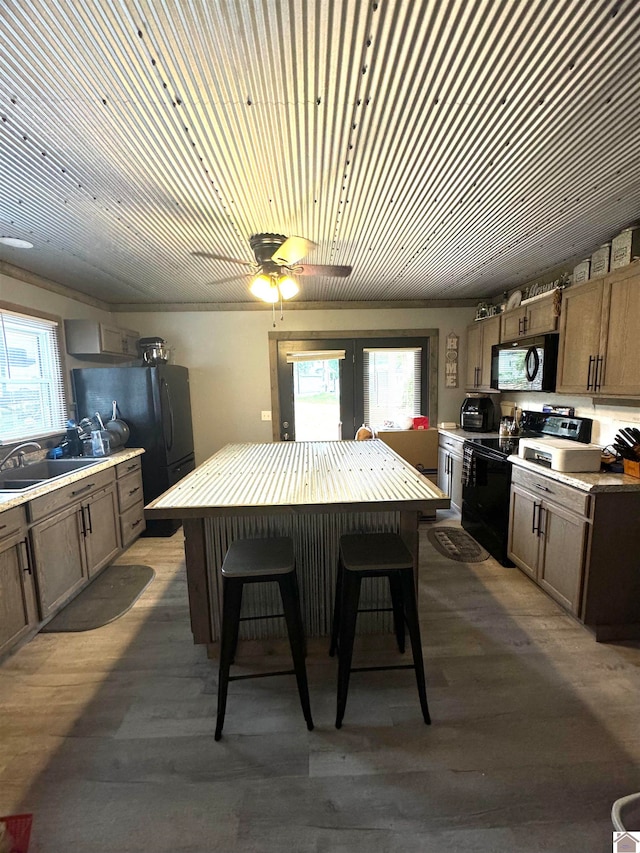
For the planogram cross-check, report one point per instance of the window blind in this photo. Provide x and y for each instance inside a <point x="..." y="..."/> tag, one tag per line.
<point x="318" y="355"/>
<point x="392" y="382"/>
<point x="32" y="398"/>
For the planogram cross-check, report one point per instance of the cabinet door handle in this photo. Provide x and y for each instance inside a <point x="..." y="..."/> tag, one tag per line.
<point x="534" y="529"/>
<point x="84" y="525"/>
<point x="133" y="491"/>
<point x="598" y="376"/>
<point x="592" y="359"/>
<point x="524" y="325"/>
<point x="89" y="524"/>
<point x="83" y="489"/>
<point x="132" y="467"/>
<point x="26" y="559"/>
<point x="136" y="523"/>
<point x="541" y="518"/>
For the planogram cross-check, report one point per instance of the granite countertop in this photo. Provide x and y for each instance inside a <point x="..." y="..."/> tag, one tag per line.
<point x="593" y="482"/>
<point x="9" y="499"/>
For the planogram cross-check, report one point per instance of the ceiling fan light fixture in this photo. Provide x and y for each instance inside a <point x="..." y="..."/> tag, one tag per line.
<point x="288" y="286"/>
<point x="265" y="288"/>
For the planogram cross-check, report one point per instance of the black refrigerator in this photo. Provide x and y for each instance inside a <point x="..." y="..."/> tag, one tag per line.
<point x="155" y="403"/>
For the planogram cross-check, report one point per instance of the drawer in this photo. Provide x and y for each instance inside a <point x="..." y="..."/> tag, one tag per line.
<point x="126" y="468"/>
<point x="132" y="523"/>
<point x="550" y="490"/>
<point x="129" y="490"/>
<point x="11" y="521"/>
<point x="65" y="495"/>
<point x="452" y="444"/>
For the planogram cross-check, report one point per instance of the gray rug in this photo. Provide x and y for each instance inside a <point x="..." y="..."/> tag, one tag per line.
<point x="107" y="598"/>
<point x="456" y="544"/>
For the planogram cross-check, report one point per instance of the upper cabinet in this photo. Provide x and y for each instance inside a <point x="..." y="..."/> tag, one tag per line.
<point x="536" y="318"/>
<point x="598" y="335"/>
<point x="481" y="336"/>
<point x="90" y="338"/>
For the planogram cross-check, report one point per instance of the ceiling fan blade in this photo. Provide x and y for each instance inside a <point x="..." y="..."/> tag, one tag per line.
<point x="212" y="256"/>
<point x="322" y="269"/>
<point x="226" y="280"/>
<point x="292" y="250"/>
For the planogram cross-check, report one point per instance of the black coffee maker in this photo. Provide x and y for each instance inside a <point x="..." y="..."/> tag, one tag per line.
<point x="477" y="413"/>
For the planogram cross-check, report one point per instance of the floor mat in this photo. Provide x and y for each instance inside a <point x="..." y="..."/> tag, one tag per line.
<point x="107" y="598"/>
<point x="456" y="544"/>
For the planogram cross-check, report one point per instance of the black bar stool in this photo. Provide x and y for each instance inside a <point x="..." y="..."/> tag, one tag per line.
<point x="365" y="555"/>
<point x="260" y="561"/>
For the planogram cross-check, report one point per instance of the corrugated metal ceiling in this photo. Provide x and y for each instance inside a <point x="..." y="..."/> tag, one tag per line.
<point x="442" y="148"/>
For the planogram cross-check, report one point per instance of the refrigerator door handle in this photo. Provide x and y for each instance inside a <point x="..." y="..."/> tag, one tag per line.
<point x="168" y="441"/>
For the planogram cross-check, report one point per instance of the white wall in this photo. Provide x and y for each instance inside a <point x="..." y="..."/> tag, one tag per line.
<point x="227" y="354"/>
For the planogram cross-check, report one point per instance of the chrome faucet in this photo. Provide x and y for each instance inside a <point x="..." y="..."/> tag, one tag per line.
<point x="19" y="451"/>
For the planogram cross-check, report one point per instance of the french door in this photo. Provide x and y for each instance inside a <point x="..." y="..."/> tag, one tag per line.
<point x="328" y="387"/>
<point x="316" y="389"/>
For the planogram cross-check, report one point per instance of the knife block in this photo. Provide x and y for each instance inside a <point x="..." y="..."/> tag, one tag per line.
<point x="632" y="468"/>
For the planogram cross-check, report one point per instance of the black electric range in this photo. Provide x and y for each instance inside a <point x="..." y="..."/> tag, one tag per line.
<point x="486" y="476"/>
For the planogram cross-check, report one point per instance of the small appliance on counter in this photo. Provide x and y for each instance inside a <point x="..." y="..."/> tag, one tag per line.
<point x="154" y="351"/>
<point x="561" y="454"/>
<point x="477" y="413"/>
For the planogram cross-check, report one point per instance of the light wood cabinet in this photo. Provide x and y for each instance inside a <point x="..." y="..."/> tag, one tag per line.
<point x="130" y="500"/>
<point x="51" y="547"/>
<point x="91" y="338"/>
<point x="18" y="614"/>
<point x="537" y="318"/>
<point x="481" y="337"/>
<point x="547" y="542"/>
<point x="581" y="547"/>
<point x="598" y="332"/>
<point x="72" y="543"/>
<point x="58" y="550"/>
<point x="450" y="469"/>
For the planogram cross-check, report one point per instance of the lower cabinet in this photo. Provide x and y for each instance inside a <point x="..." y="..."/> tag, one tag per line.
<point x="52" y="546"/>
<point x="70" y="546"/>
<point x="450" y="469"/>
<point x="548" y="543"/>
<point x="581" y="547"/>
<point x="18" y="614"/>
<point x="130" y="500"/>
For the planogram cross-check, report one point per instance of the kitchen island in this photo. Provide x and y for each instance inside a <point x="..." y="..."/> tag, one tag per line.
<point x="311" y="491"/>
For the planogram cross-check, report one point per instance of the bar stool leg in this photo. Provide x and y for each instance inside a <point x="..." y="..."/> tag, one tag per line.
<point x="411" y="611"/>
<point x="350" y="600"/>
<point x="295" y="630"/>
<point x="395" y="587"/>
<point x="337" y="609"/>
<point x="231" y="604"/>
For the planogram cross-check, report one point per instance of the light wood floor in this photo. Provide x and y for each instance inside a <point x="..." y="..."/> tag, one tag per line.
<point x="107" y="736"/>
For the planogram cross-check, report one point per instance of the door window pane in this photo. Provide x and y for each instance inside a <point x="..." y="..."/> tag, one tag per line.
<point x="316" y="399"/>
<point x="392" y="386"/>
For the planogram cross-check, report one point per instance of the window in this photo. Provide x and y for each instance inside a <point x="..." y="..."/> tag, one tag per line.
<point x="391" y="386"/>
<point x="32" y="399"/>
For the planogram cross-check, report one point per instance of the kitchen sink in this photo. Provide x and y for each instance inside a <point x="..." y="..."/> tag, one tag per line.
<point x="30" y="476"/>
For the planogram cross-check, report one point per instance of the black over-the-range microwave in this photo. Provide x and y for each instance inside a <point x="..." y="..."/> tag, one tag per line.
<point x="526" y="365"/>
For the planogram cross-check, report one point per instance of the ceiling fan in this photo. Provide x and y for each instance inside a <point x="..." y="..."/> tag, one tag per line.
<point x="277" y="261"/>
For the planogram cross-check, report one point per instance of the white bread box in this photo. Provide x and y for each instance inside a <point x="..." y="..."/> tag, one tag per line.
<point x="561" y="454"/>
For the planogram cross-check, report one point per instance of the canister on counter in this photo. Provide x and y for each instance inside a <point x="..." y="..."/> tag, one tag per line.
<point x="581" y="271"/>
<point x="600" y="261"/>
<point x="625" y="247"/>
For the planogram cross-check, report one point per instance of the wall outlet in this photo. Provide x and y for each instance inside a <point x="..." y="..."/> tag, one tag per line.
<point x="266" y="416"/>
